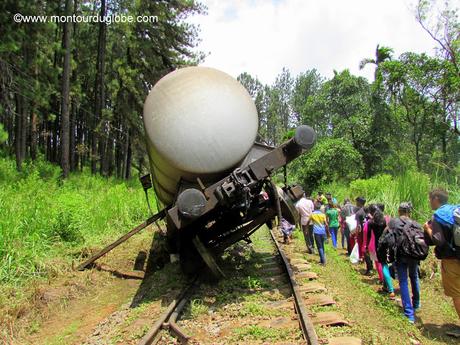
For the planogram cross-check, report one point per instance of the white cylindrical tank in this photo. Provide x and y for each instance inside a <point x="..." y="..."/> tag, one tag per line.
<point x="199" y="122"/>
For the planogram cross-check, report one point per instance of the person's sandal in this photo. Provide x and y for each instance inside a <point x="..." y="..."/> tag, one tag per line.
<point x="392" y="296"/>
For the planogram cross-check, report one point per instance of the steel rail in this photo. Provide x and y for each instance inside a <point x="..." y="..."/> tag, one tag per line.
<point x="168" y="318"/>
<point x="305" y="321"/>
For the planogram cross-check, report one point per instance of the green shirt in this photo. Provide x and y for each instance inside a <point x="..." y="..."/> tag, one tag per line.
<point x="333" y="217"/>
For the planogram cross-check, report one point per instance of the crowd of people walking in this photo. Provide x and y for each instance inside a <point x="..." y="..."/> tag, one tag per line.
<point x="393" y="247"/>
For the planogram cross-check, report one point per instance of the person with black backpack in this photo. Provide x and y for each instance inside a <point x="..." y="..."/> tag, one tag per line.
<point x="410" y="249"/>
<point x="442" y="231"/>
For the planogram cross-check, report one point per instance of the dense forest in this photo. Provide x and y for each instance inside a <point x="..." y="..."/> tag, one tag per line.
<point x="73" y="93"/>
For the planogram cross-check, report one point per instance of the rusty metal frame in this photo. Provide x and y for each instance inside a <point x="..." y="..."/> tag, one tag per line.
<point x="251" y="174"/>
<point x="125" y="237"/>
<point x="245" y="230"/>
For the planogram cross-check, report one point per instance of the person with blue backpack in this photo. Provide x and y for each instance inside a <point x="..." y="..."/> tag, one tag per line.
<point x="443" y="231"/>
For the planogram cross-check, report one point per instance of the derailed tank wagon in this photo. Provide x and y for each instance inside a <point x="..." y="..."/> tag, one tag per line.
<point x="207" y="170"/>
<point x="211" y="177"/>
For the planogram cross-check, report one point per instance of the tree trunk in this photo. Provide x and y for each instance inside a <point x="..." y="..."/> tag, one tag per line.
<point x="129" y="158"/>
<point x="72" y="143"/>
<point x="109" y="156"/>
<point x="47" y="129"/>
<point x="18" y="133"/>
<point x="105" y="162"/>
<point x="417" y="154"/>
<point x="33" y="135"/>
<point x="74" y="106"/>
<point x="99" y="84"/>
<point x="65" y="109"/>
<point x="24" y="114"/>
<point x="34" y="116"/>
<point x="102" y="148"/>
<point x="118" y="154"/>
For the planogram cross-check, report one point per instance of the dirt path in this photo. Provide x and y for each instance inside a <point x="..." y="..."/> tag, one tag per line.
<point x="96" y="307"/>
<point x="72" y="322"/>
<point x="253" y="307"/>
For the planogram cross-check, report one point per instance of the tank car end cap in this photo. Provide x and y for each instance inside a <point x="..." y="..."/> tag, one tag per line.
<point x="305" y="136"/>
<point x="191" y="203"/>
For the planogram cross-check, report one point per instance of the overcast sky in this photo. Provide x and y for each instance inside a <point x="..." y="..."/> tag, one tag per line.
<point x="262" y="36"/>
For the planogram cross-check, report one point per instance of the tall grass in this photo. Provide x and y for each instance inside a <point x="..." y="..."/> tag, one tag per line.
<point x="392" y="190"/>
<point x="43" y="217"/>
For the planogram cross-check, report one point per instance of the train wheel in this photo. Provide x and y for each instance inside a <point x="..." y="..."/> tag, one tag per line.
<point x="208" y="258"/>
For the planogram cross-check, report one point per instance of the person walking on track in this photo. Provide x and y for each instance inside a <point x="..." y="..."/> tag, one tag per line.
<point x="305" y="208"/>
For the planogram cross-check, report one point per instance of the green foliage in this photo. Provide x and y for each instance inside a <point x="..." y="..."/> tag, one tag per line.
<point x="406" y="119"/>
<point x="382" y="54"/>
<point x="42" y="216"/>
<point x="255" y="332"/>
<point x="288" y="135"/>
<point x="392" y="190"/>
<point x="3" y="134"/>
<point x="253" y="283"/>
<point x="329" y="160"/>
<point x="306" y="88"/>
<point x="421" y="89"/>
<point x="410" y="186"/>
<point x="253" y="309"/>
<point x="197" y="308"/>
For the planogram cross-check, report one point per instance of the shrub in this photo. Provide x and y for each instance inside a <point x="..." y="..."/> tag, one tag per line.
<point x="3" y="134"/>
<point x="329" y="160"/>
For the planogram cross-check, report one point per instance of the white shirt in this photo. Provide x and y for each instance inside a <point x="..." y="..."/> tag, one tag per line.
<point x="305" y="208"/>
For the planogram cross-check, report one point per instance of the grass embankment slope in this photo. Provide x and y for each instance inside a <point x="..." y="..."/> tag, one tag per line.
<point x="47" y="223"/>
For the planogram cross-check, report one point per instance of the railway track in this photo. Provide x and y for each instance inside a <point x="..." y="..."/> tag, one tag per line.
<point x="310" y="294"/>
<point x="273" y="305"/>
